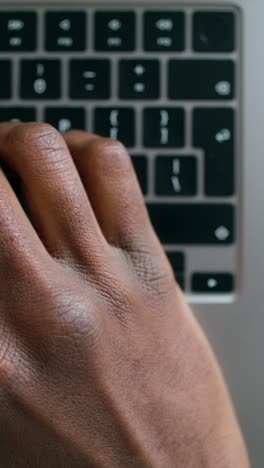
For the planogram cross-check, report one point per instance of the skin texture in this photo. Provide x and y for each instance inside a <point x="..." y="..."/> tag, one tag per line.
<point x="102" y="363"/>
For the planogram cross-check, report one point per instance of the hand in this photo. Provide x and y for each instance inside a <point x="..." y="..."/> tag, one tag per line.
<point x="102" y="363"/>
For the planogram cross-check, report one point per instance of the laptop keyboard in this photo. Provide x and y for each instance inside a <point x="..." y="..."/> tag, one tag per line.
<point x="164" y="81"/>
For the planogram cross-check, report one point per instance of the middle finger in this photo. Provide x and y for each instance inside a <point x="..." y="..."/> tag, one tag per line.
<point x="58" y="204"/>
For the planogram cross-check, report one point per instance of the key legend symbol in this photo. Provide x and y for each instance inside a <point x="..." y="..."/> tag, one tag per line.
<point x="114" y="24"/>
<point x="40" y="86"/>
<point x="114" y="118"/>
<point x="40" y="69"/>
<point x="223" y="88"/>
<point x="176" y="169"/>
<point x="15" y="41"/>
<point x="15" y="25"/>
<point x="114" y="41"/>
<point x="223" y="135"/>
<point x="139" y="87"/>
<point x="65" y="25"/>
<point x="65" y="41"/>
<point x="89" y="75"/>
<point x="139" y="70"/>
<point x="164" y="118"/>
<point x="114" y="122"/>
<point x="211" y="283"/>
<point x="64" y="125"/>
<point x="164" y="41"/>
<point x="164" y="24"/>
<point x="222" y="233"/>
<point x="164" y="130"/>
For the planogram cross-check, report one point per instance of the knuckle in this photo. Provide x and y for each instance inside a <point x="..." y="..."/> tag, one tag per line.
<point x="41" y="146"/>
<point x="116" y="293"/>
<point x="5" y="345"/>
<point x="77" y="319"/>
<point x="153" y="272"/>
<point x="115" y="148"/>
<point x="112" y="149"/>
<point x="74" y="134"/>
<point x="73" y="320"/>
<point x="40" y="134"/>
<point x="10" y="360"/>
<point x="117" y="299"/>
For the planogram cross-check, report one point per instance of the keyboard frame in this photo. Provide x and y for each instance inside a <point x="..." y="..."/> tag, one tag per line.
<point x="198" y="258"/>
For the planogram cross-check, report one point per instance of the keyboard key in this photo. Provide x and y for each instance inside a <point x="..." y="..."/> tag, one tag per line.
<point x="65" y="30"/>
<point x="163" y="127"/>
<point x="40" y="79"/>
<point x="177" y="261"/>
<point x="176" y="176"/>
<point x="140" y="163"/>
<point x="115" y="31"/>
<point x="17" y="114"/>
<point x="213" y="282"/>
<point x="13" y="180"/>
<point x="117" y="123"/>
<point x="213" y="130"/>
<point x="180" y="278"/>
<point x="201" y="79"/>
<point x="6" y="79"/>
<point x="18" y="31"/>
<point x="196" y="224"/>
<point x="66" y="118"/>
<point x="213" y="32"/>
<point x="164" y="31"/>
<point x="90" y="79"/>
<point x="139" y="79"/>
<point x="17" y="187"/>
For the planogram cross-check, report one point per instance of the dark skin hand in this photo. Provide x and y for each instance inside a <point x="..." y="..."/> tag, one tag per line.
<point x="102" y="363"/>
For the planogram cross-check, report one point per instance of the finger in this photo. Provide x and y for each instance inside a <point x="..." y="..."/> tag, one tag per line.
<point x="57" y="201"/>
<point x="21" y="250"/>
<point x="110" y="181"/>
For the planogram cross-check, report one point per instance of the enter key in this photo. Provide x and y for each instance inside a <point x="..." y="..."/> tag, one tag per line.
<point x="213" y="131"/>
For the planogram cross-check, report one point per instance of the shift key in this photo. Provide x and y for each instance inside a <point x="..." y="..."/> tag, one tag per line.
<point x="197" y="224"/>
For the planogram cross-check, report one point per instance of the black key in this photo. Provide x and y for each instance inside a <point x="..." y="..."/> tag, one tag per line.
<point x="177" y="261"/>
<point x="140" y="163"/>
<point x="213" y="282"/>
<point x="139" y="79"/>
<point x="176" y="176"/>
<point x="213" y="130"/>
<point x="17" y="114"/>
<point x="66" y="118"/>
<point x="164" y="31"/>
<point x="117" y="123"/>
<point x="213" y="31"/>
<point x="193" y="224"/>
<point x="163" y="127"/>
<point x="5" y="79"/>
<point x="14" y="180"/>
<point x="17" y="186"/>
<point x="115" y="31"/>
<point x="201" y="79"/>
<point x="65" y="30"/>
<point x="180" y="278"/>
<point x="90" y="79"/>
<point x="18" y="31"/>
<point x="40" y="79"/>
